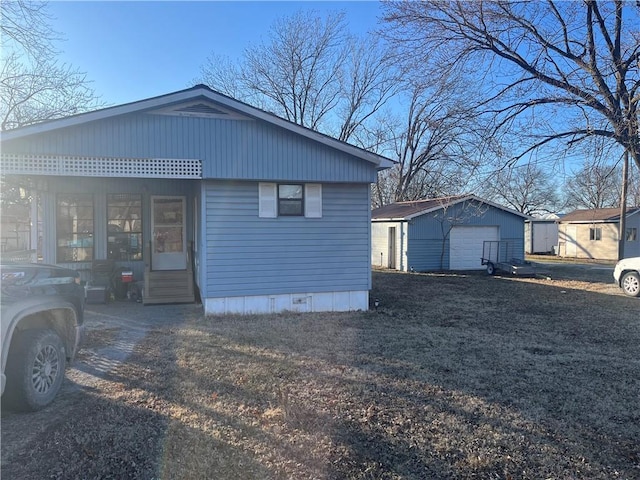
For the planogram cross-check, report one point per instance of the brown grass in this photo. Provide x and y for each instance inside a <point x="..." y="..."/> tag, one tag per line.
<point x="454" y="376"/>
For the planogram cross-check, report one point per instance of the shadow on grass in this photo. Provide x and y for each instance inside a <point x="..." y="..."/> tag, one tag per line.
<point x="454" y="376"/>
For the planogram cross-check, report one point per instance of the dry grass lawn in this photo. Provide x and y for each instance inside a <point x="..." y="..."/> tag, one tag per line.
<point x="454" y="376"/>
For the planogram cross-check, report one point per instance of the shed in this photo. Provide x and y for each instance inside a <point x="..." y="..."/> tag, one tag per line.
<point x="594" y="233"/>
<point x="199" y="194"/>
<point x="442" y="233"/>
<point x="541" y="235"/>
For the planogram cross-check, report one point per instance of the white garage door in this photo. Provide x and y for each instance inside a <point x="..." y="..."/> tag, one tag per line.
<point x="465" y="251"/>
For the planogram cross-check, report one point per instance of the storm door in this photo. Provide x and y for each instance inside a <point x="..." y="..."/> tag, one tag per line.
<point x="169" y="242"/>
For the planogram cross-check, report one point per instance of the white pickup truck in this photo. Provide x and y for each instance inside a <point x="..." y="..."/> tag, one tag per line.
<point x="627" y="276"/>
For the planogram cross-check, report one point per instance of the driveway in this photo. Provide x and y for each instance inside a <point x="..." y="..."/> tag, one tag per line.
<point x="568" y="269"/>
<point x="125" y="324"/>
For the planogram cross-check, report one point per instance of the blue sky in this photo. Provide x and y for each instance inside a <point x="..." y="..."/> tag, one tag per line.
<point x="136" y="50"/>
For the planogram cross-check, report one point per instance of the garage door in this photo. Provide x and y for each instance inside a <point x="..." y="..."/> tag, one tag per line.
<point x="466" y="243"/>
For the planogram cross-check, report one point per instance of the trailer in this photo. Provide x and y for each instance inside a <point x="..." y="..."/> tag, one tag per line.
<point x="499" y="256"/>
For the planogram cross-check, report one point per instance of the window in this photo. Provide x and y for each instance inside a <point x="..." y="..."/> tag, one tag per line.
<point x="74" y="228"/>
<point x="595" y="233"/>
<point x="289" y="200"/>
<point x="631" y="234"/>
<point x="124" y="227"/>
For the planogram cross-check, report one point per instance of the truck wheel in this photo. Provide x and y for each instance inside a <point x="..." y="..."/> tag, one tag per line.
<point x="35" y="369"/>
<point x="630" y="284"/>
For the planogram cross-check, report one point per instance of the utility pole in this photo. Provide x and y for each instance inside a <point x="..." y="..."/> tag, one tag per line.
<point x="623" y="205"/>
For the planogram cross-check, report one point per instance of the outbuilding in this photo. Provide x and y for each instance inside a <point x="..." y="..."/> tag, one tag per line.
<point x="446" y="233"/>
<point x="595" y="233"/>
<point x="198" y="194"/>
<point x="541" y="235"/>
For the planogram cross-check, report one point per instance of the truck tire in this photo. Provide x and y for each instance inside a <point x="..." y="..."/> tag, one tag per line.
<point x="35" y="369"/>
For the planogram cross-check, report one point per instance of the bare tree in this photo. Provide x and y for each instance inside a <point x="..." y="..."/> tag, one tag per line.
<point x="452" y="214"/>
<point x="312" y="72"/>
<point x="433" y="148"/>
<point x="33" y="85"/>
<point x="368" y="81"/>
<point x="25" y="24"/>
<point x="633" y="187"/>
<point x="565" y="71"/>
<point x="297" y="72"/>
<point x="528" y="189"/>
<point x="595" y="185"/>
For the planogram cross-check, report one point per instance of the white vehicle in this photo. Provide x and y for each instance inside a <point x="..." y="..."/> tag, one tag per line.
<point x="627" y="275"/>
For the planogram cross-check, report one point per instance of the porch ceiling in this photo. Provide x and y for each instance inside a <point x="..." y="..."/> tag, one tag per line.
<point x="75" y="166"/>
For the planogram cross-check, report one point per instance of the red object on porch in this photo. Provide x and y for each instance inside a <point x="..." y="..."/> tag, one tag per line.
<point x="126" y="276"/>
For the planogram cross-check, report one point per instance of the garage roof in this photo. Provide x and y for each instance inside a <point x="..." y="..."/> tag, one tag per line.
<point x="411" y="209"/>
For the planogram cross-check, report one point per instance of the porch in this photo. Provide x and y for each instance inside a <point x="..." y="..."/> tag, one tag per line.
<point x="139" y="220"/>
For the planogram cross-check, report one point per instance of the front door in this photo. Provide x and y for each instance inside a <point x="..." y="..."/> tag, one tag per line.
<point x="169" y="241"/>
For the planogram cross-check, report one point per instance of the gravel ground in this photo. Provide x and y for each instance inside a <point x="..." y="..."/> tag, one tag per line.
<point x="454" y="376"/>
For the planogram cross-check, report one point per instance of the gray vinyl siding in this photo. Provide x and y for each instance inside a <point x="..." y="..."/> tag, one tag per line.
<point x="228" y="149"/>
<point x="425" y="235"/>
<point x="248" y="255"/>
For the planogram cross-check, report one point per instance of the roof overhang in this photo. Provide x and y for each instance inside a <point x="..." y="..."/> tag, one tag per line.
<point x="590" y="222"/>
<point x="390" y="220"/>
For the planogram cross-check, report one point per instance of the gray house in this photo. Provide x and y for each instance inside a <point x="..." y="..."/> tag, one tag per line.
<point x="198" y="193"/>
<point x="443" y="233"/>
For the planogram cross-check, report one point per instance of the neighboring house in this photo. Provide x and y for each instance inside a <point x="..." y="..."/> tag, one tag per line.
<point x="594" y="233"/>
<point x="442" y="233"/>
<point x="198" y="193"/>
<point x="541" y="235"/>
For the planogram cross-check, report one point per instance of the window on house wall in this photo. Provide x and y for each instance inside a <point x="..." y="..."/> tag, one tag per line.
<point x="74" y="228"/>
<point x="290" y="200"/>
<point x="595" y="233"/>
<point x="124" y="227"/>
<point x="631" y="234"/>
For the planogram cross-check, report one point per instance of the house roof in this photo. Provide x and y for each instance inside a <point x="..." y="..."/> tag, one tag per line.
<point x="415" y="208"/>
<point x="601" y="215"/>
<point x="188" y="96"/>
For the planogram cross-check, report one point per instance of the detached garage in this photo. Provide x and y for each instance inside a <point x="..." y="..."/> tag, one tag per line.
<point x="442" y="233"/>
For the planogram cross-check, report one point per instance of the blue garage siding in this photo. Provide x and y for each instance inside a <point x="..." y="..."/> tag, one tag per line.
<point x="248" y="255"/>
<point x="228" y="149"/>
<point x="425" y="245"/>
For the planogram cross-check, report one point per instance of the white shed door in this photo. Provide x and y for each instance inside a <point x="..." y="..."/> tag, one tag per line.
<point x="465" y="246"/>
